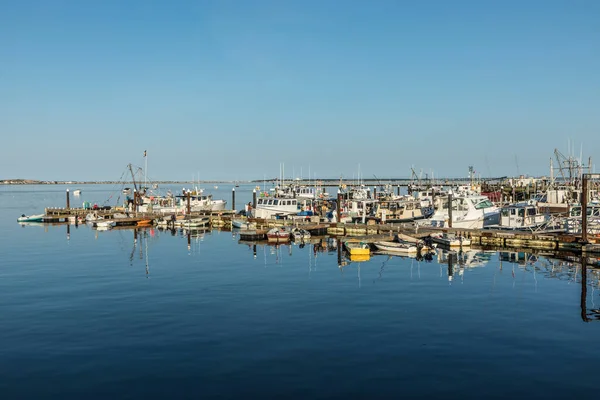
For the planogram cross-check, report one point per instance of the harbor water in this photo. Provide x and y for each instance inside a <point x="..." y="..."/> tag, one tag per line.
<point x="128" y="314"/>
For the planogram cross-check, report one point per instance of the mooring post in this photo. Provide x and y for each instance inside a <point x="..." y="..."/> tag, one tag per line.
<point x="374" y="192"/>
<point x="254" y="199"/>
<point x="339" y="207"/>
<point x="450" y="210"/>
<point x="189" y="205"/>
<point x="68" y="200"/>
<point x="233" y="199"/>
<point x="584" y="202"/>
<point x="398" y="190"/>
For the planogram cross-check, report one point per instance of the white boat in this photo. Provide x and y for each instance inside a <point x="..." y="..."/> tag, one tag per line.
<point x="182" y="222"/>
<point x="402" y="247"/>
<point x="522" y="216"/>
<point x="299" y="234"/>
<point x="396" y="211"/>
<point x="105" y="224"/>
<point x="31" y="218"/>
<point x="201" y="202"/>
<point x="77" y="192"/>
<point x="242" y="224"/>
<point x="450" y="240"/>
<point x="273" y="207"/>
<point x="573" y="223"/>
<point x="469" y="211"/>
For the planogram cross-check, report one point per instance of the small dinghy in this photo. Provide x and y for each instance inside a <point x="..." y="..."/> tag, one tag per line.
<point x="31" y="218"/>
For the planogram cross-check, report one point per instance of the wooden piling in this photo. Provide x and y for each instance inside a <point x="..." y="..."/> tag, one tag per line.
<point x="254" y="199"/>
<point x="339" y="208"/>
<point x="450" y="210"/>
<point x="68" y="200"/>
<point x="233" y="199"/>
<point x="189" y="205"/>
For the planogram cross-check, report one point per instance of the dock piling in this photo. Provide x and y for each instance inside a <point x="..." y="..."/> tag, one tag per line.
<point x="450" y="210"/>
<point x="189" y="206"/>
<point x="68" y="200"/>
<point x="233" y="199"/>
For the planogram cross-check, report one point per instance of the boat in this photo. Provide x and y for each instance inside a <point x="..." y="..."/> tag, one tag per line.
<point x="403" y="247"/>
<point x="126" y="191"/>
<point x="469" y="211"/>
<point x="522" y="216"/>
<point x="299" y="234"/>
<point x="105" y="224"/>
<point x="195" y="222"/>
<point x="275" y="207"/>
<point x="399" y="210"/>
<point x="242" y="224"/>
<point x="357" y="248"/>
<point x="278" y="235"/>
<point x="31" y="218"/>
<point x="450" y="240"/>
<point x="77" y="192"/>
<point x="250" y="235"/>
<point x="573" y="223"/>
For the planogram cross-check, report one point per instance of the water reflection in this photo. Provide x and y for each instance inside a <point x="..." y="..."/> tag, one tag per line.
<point x="454" y="265"/>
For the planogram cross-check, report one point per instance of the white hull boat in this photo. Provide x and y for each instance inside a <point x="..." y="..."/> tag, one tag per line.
<point x="31" y="218"/>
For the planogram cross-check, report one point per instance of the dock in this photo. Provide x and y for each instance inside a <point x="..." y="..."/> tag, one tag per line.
<point x="366" y="232"/>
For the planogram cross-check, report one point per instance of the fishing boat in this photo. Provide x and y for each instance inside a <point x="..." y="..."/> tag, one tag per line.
<point x="273" y="207"/>
<point x="77" y="192"/>
<point x="469" y="210"/>
<point x="278" y="235"/>
<point x="357" y="248"/>
<point x="31" y="218"/>
<point x="522" y="216"/>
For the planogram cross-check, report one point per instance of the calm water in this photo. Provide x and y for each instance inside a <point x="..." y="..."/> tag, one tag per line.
<point x="103" y="315"/>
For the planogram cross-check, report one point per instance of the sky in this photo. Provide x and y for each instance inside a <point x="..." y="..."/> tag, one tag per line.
<point x="232" y="90"/>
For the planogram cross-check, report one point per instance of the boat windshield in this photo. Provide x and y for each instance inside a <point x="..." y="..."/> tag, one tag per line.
<point x="483" y="204"/>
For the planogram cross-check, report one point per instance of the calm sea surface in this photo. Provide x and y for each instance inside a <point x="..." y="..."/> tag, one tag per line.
<point x="98" y="315"/>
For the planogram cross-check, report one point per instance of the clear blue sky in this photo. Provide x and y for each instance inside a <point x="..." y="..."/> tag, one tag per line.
<point x="231" y="89"/>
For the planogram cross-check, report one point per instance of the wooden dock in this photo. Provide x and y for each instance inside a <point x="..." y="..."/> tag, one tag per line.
<point x="368" y="232"/>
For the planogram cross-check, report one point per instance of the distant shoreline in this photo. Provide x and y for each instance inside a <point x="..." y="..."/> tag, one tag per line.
<point x="34" y="182"/>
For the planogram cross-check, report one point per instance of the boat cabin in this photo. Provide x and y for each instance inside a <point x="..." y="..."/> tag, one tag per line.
<point x="521" y="215"/>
